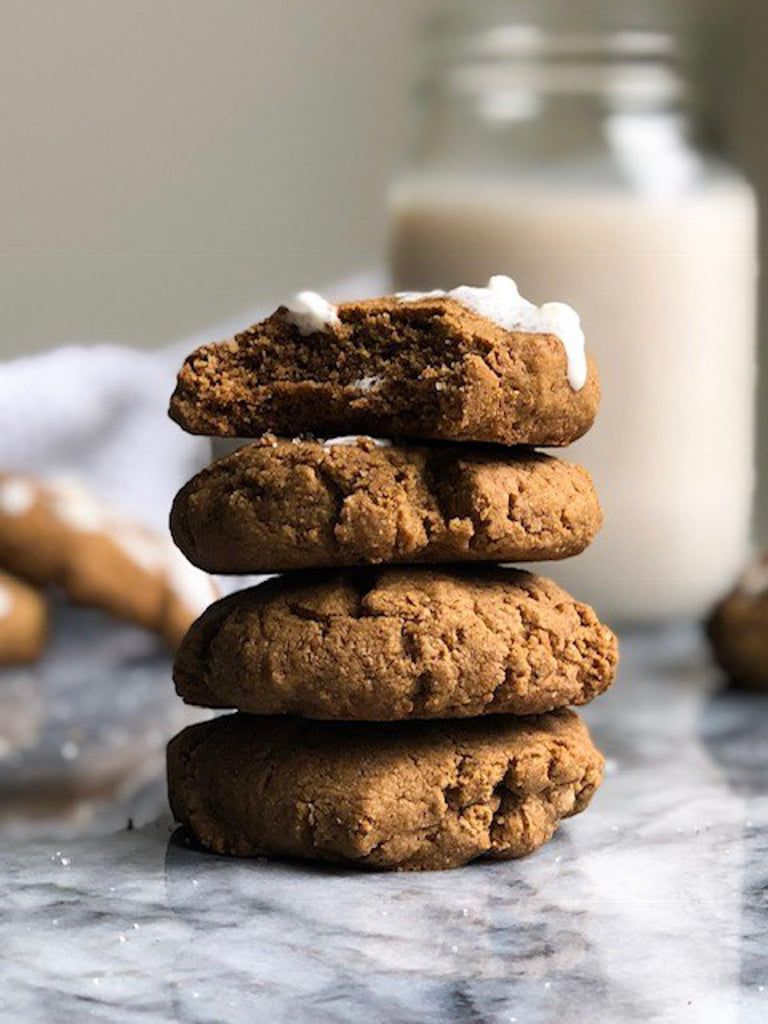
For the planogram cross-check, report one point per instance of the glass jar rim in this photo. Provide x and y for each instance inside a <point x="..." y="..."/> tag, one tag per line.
<point x="569" y="29"/>
<point x="630" y="54"/>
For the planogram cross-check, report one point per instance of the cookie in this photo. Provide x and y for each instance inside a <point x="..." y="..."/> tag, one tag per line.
<point x="278" y="505"/>
<point x="23" y="622"/>
<point x="738" y="629"/>
<point x="423" y="367"/>
<point x="58" y="533"/>
<point x="386" y="644"/>
<point x="404" y="796"/>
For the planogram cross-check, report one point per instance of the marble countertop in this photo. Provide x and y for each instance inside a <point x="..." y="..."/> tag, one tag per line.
<point x="652" y="906"/>
<point x="83" y="731"/>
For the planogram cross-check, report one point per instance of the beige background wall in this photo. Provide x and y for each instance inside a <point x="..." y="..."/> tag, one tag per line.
<point x="166" y="164"/>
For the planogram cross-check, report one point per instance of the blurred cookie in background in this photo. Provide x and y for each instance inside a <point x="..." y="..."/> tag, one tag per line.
<point x="738" y="629"/>
<point x="58" y="533"/>
<point x="23" y="622"/>
<point x="83" y="729"/>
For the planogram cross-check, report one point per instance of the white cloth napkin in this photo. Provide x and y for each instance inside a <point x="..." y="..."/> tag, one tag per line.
<point x="100" y="415"/>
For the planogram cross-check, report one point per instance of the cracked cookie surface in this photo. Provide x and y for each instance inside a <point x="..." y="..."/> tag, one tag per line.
<point x="428" y="369"/>
<point x="278" y="505"/>
<point x="397" y="643"/>
<point x="402" y="796"/>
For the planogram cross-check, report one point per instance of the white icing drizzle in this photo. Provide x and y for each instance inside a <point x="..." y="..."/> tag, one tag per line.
<point x="6" y="602"/>
<point x="365" y="383"/>
<point x="502" y="303"/>
<point x="350" y="441"/>
<point x="17" y="496"/>
<point x="311" y="313"/>
<point x="77" y="508"/>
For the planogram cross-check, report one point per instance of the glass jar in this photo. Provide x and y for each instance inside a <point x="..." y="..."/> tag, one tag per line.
<point x="557" y="144"/>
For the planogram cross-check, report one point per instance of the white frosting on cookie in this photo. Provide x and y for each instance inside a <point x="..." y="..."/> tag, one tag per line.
<point x="17" y="496"/>
<point x="365" y="383"/>
<point x="6" y="602"/>
<point x="502" y="303"/>
<point x="77" y="508"/>
<point x="350" y="440"/>
<point x="140" y="546"/>
<point x="311" y="313"/>
<point x="82" y="511"/>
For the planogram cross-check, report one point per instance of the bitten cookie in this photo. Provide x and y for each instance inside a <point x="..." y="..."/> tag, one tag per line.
<point x="58" y="533"/>
<point x="23" y="622"/>
<point x="384" y="644"/>
<point x="407" y="796"/>
<point x="476" y="364"/>
<point x="278" y="505"/>
<point x="738" y="629"/>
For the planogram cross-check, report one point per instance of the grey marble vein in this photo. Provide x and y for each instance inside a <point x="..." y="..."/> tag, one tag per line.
<point x="652" y="906"/>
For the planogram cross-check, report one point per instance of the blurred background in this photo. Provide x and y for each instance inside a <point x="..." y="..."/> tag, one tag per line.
<point x="173" y="168"/>
<point x="167" y="163"/>
<point x="170" y="164"/>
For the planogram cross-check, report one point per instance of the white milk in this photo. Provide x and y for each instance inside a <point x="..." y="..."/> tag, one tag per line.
<point x="666" y="290"/>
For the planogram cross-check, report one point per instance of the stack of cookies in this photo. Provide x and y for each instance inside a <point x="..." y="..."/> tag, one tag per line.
<point x="401" y="699"/>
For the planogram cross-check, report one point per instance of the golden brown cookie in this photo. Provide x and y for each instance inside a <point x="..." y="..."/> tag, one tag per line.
<point x="404" y="796"/>
<point x="738" y="629"/>
<point x="383" y="644"/>
<point x="23" y="622"/>
<point x="56" y="532"/>
<point x="426" y="368"/>
<point x="278" y="505"/>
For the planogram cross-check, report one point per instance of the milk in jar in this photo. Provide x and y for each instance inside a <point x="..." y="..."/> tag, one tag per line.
<point x="566" y="160"/>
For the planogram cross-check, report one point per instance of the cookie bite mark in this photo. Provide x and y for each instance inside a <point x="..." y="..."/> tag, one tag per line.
<point x="429" y="367"/>
<point x="408" y="796"/>
<point x="392" y="644"/>
<point x="279" y="505"/>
